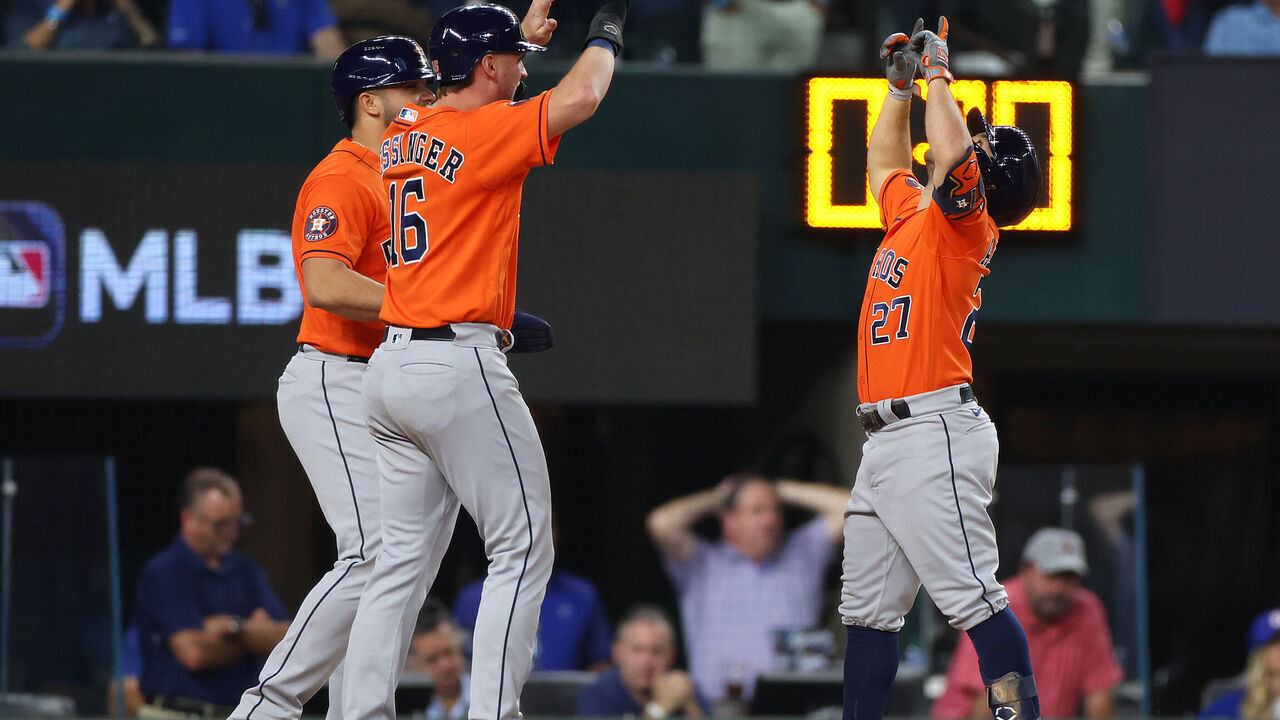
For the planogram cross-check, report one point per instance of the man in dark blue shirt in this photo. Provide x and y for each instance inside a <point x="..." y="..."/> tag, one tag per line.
<point x="206" y="614"/>
<point x="573" y="630"/>
<point x="643" y="682"/>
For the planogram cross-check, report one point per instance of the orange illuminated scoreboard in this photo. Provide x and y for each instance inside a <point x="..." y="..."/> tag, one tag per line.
<point x="828" y="196"/>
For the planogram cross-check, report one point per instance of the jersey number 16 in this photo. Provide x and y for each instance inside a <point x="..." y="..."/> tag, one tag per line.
<point x="398" y="249"/>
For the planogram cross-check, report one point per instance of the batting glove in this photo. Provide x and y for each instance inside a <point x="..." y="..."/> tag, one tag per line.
<point x="899" y="65"/>
<point x="932" y="49"/>
<point x="607" y="23"/>
<point x="532" y="334"/>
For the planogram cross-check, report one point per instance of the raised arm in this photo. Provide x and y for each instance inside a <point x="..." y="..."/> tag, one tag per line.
<point x="949" y="138"/>
<point x="829" y="501"/>
<point x="670" y="525"/>
<point x="536" y="26"/>
<point x="583" y="88"/>
<point x="889" y="147"/>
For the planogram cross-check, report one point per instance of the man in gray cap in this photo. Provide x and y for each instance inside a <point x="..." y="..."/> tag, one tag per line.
<point x="1067" y="635"/>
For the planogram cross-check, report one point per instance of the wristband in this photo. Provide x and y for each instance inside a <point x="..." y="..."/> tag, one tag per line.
<point x="602" y="43"/>
<point x="900" y="94"/>
<point x="56" y="14"/>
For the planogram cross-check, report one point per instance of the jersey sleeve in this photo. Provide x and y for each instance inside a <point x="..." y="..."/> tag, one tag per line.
<point x="899" y="196"/>
<point x="960" y="205"/>
<point x="511" y="138"/>
<point x="333" y="220"/>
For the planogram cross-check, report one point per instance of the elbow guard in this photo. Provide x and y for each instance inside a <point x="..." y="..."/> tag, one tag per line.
<point x="960" y="191"/>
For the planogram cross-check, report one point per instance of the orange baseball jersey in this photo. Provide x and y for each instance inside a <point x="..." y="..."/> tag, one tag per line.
<point x="923" y="291"/>
<point x="342" y="214"/>
<point x="454" y="179"/>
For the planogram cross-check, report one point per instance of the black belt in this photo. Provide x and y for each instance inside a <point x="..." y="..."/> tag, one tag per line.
<point x="872" y="420"/>
<point x="445" y="332"/>
<point x="349" y="358"/>
<point x="192" y="707"/>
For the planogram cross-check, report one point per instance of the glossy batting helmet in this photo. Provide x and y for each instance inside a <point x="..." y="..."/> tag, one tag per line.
<point x="373" y="63"/>
<point x="465" y="34"/>
<point x="1012" y="176"/>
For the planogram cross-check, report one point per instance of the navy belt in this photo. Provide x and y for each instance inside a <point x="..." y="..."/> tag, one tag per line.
<point x="872" y="420"/>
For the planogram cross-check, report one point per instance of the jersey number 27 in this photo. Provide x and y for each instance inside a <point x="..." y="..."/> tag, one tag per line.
<point x="400" y="248"/>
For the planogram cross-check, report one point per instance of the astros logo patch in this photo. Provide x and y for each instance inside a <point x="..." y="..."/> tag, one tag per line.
<point x="321" y="223"/>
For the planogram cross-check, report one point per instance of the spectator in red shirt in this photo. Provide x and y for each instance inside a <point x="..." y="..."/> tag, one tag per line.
<point x="1067" y="633"/>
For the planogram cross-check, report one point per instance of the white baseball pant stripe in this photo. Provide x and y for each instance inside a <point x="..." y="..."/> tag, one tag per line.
<point x="323" y="417"/>
<point x="918" y="514"/>
<point x="452" y="429"/>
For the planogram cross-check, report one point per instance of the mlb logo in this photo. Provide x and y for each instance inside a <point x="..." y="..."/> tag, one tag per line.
<point x="24" y="274"/>
<point x="32" y="274"/>
<point x="409" y="115"/>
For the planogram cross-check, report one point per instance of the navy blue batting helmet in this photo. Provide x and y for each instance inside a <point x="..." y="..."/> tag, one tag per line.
<point x="376" y="62"/>
<point x="1012" y="177"/>
<point x="465" y="34"/>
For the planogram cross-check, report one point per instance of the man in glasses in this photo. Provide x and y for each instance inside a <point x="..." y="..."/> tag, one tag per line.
<point x="206" y="614"/>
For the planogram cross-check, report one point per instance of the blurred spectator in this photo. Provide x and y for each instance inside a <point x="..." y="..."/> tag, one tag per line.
<point x="130" y="672"/>
<point x="734" y="594"/>
<point x="436" y="649"/>
<point x="751" y="35"/>
<point x="1067" y="633"/>
<point x="271" y="27"/>
<point x="364" y="19"/>
<point x="664" y="31"/>
<point x="1245" y="30"/>
<point x="573" y="628"/>
<point x="642" y="681"/>
<point x="1259" y="694"/>
<point x="77" y="25"/>
<point x="206" y="614"/>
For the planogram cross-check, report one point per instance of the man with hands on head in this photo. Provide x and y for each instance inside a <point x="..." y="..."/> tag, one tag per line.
<point x="735" y="593"/>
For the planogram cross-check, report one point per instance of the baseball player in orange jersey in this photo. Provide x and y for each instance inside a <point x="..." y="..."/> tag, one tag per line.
<point x="445" y="411"/>
<point x="340" y="222"/>
<point x="918" y="510"/>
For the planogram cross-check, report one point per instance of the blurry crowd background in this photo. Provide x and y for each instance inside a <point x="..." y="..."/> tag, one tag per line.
<point x="990" y="37"/>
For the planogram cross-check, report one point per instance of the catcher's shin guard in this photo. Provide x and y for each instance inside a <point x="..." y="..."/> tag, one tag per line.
<point x="1013" y="697"/>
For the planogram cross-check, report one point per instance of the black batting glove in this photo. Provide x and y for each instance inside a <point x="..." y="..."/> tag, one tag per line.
<point x="608" y="22"/>
<point x="531" y="334"/>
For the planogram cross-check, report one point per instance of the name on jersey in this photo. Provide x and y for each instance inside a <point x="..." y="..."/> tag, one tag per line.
<point x="419" y="148"/>
<point x="889" y="268"/>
